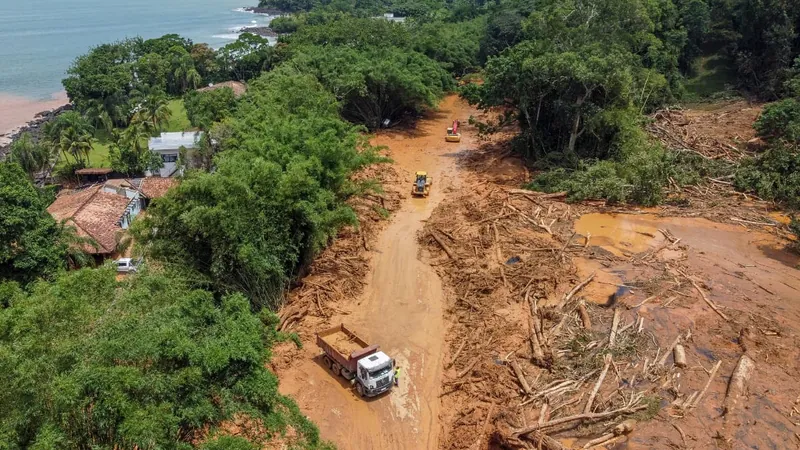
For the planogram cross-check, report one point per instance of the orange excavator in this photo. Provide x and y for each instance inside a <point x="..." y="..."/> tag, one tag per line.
<point x="452" y="133"/>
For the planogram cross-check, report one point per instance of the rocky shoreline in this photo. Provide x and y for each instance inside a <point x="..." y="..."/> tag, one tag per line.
<point x="260" y="31"/>
<point x="267" y="11"/>
<point x="34" y="127"/>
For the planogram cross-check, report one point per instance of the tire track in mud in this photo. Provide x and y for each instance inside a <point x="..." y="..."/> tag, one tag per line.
<point x="400" y="309"/>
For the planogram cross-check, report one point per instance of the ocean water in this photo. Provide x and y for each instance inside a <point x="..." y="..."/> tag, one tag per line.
<point x="39" y="39"/>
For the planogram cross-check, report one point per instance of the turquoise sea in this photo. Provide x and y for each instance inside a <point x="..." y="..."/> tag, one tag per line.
<point x="40" y="38"/>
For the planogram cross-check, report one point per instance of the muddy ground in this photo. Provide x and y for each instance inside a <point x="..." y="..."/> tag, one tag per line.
<point x="454" y="287"/>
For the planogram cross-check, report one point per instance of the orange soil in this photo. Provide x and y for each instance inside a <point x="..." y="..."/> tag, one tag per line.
<point x="400" y="309"/>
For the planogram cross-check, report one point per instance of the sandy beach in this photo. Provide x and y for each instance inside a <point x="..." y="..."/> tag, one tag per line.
<point x="16" y="111"/>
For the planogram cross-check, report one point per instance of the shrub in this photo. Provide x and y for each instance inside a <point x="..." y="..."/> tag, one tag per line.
<point x="284" y="24"/>
<point x="205" y="108"/>
<point x="87" y="362"/>
<point x="780" y="121"/>
<point x="637" y="179"/>
<point x="592" y="181"/>
<point x="773" y="175"/>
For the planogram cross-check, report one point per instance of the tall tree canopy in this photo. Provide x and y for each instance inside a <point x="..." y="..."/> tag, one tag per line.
<point x="30" y="246"/>
<point x="87" y="362"/>
<point x="375" y="84"/>
<point x="275" y="197"/>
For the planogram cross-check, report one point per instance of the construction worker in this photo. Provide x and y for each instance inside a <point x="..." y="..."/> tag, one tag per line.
<point x="397" y="375"/>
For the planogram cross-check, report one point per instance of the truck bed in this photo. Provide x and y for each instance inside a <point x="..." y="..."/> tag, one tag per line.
<point x="342" y="340"/>
<point x="343" y="343"/>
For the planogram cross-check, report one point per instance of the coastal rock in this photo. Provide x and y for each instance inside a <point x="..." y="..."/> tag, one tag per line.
<point x="267" y="11"/>
<point x="34" y="128"/>
<point x="260" y="31"/>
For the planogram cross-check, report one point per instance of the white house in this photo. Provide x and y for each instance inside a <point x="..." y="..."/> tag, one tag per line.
<point x="168" y="146"/>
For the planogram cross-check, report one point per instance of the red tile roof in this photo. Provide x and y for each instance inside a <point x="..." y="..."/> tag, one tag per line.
<point x="94" y="213"/>
<point x="93" y="171"/>
<point x="121" y="183"/>
<point x="155" y="187"/>
<point x="238" y="88"/>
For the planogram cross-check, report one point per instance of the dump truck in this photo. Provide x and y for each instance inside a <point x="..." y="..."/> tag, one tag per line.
<point x="353" y="358"/>
<point x="452" y="133"/>
<point x="422" y="185"/>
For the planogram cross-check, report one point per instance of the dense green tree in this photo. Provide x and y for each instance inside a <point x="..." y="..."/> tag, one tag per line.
<point x="183" y="73"/>
<point x="104" y="75"/>
<point x="275" y="198"/>
<point x="163" y="45"/>
<point x="98" y="117"/>
<point x="284" y="24"/>
<point x="773" y="175"/>
<point x="780" y="122"/>
<point x="60" y="133"/>
<point x="205" y="60"/>
<point x="289" y="5"/>
<point x="375" y="84"/>
<point x="767" y="44"/>
<point x="455" y="45"/>
<point x="246" y="58"/>
<point x="205" y="108"/>
<point x="87" y="362"/>
<point x="29" y="236"/>
<point x="696" y="17"/>
<point x="581" y="80"/>
<point x="153" y="71"/>
<point x="348" y="31"/>
<point x="102" y="83"/>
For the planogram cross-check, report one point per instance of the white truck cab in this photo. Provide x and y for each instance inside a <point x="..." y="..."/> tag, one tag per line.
<point x="375" y="374"/>
<point x="364" y="365"/>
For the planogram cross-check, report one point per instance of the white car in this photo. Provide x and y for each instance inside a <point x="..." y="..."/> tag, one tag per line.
<point x="128" y="265"/>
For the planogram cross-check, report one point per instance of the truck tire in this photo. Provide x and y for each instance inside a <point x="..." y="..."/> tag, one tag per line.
<point x="327" y="361"/>
<point x="360" y="389"/>
<point x="336" y="369"/>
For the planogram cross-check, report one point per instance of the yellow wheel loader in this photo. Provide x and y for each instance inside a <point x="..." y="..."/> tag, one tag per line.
<point x="422" y="185"/>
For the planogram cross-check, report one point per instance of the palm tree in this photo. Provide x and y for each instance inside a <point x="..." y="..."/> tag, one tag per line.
<point x="185" y="74"/>
<point x="32" y="156"/>
<point x="98" y="116"/>
<point x="78" y="143"/>
<point x="135" y="137"/>
<point x="153" y="110"/>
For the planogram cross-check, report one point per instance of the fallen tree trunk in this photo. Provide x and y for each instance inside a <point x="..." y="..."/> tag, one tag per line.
<point x="608" y="362"/>
<point x="444" y="246"/>
<point x="585" y="319"/>
<point x="578" y="418"/>
<point x="543" y="441"/>
<point x="737" y="386"/>
<point x="536" y="346"/>
<point x="455" y="355"/>
<point x="576" y="289"/>
<point x="612" y="337"/>
<point x="708" y="383"/>
<point x="679" y="355"/>
<point x="663" y="359"/>
<point x="708" y="301"/>
<point x="467" y="368"/>
<point x="521" y="378"/>
<point x="622" y="429"/>
<point x="538" y="194"/>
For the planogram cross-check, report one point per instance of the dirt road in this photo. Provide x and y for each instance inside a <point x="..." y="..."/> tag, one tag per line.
<point x="400" y="309"/>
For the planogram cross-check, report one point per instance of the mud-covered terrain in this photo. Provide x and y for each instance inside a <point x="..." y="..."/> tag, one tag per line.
<point x="522" y="321"/>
